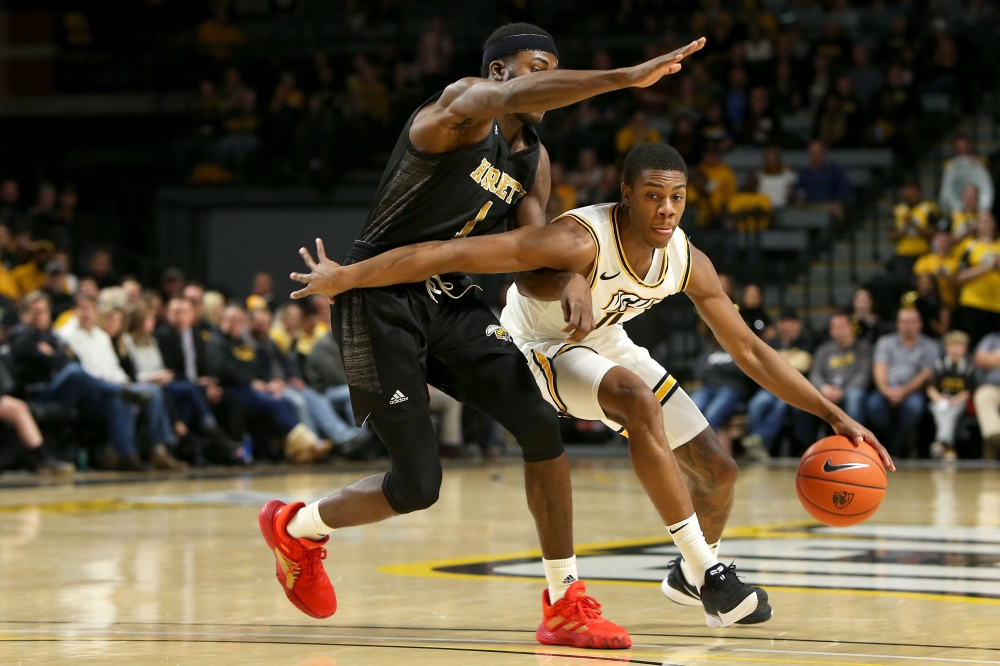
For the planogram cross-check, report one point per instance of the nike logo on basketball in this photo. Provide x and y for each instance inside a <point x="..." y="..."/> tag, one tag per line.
<point x="397" y="398"/>
<point x="605" y="276"/>
<point x="828" y="467"/>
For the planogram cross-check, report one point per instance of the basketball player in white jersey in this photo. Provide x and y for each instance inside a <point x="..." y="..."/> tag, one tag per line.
<point x="634" y="255"/>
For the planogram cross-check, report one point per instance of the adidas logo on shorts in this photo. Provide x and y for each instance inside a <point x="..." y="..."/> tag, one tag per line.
<point x="397" y="398"/>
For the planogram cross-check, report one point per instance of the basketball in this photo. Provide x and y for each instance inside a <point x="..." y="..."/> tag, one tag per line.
<point x="840" y="484"/>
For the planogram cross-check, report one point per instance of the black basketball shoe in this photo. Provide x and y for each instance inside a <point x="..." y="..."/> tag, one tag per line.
<point x="726" y="599"/>
<point x="677" y="588"/>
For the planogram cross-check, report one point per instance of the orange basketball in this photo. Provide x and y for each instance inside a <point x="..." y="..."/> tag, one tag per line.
<point x="840" y="484"/>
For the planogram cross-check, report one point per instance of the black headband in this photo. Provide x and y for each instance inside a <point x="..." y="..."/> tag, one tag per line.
<point x="514" y="43"/>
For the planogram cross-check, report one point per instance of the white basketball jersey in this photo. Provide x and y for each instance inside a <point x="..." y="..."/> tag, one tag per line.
<point x="618" y="293"/>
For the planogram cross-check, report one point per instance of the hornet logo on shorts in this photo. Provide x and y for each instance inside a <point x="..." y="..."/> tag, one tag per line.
<point x="498" y="332"/>
<point x="624" y="300"/>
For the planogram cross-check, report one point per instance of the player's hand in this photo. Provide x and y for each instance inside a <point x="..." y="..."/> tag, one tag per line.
<point x="578" y="309"/>
<point x="857" y="433"/>
<point x="651" y="71"/>
<point x="325" y="277"/>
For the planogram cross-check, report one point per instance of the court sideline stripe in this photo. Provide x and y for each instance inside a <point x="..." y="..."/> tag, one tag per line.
<point x="494" y="630"/>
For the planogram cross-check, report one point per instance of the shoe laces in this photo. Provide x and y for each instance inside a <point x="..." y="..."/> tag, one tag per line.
<point x="583" y="606"/>
<point x="309" y="562"/>
<point x="731" y="577"/>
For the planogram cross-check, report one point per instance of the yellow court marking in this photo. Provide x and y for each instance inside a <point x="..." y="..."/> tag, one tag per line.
<point x="431" y="568"/>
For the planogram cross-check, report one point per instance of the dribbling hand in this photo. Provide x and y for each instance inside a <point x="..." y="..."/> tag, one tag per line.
<point x="857" y="433"/>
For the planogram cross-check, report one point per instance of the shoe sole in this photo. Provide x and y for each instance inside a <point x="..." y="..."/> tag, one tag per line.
<point x="578" y="640"/>
<point x="678" y="596"/>
<point x="761" y="615"/>
<point x="265" y="520"/>
<point x="745" y="608"/>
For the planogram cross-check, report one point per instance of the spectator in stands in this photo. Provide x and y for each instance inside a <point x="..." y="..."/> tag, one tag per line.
<point x="367" y="96"/>
<point x="979" y="280"/>
<point x="284" y="380"/>
<point x="749" y="209"/>
<point x="737" y="99"/>
<point x="324" y="370"/>
<point x="46" y="371"/>
<point x="686" y="140"/>
<point x="903" y="365"/>
<point x="219" y="36"/>
<point x="963" y="221"/>
<point x="237" y="366"/>
<point x="95" y="351"/>
<point x="10" y="196"/>
<point x="263" y="286"/>
<point x="713" y="129"/>
<point x="832" y="44"/>
<point x="987" y="395"/>
<point x="563" y="195"/>
<point x="774" y="178"/>
<point x="949" y="392"/>
<point x="754" y="313"/>
<point x="840" y="119"/>
<point x="761" y="125"/>
<point x="841" y="368"/>
<point x="966" y="168"/>
<point x="925" y="298"/>
<point x="101" y="267"/>
<point x="232" y="88"/>
<point x="719" y="177"/>
<point x="211" y="312"/>
<point x="820" y="86"/>
<point x="133" y="290"/>
<point x="30" y="275"/>
<point x="723" y="386"/>
<point x="867" y="78"/>
<point x="143" y="352"/>
<point x="915" y="220"/>
<point x="635" y="132"/>
<point x="896" y="110"/>
<point x="172" y="283"/>
<point x="867" y="324"/>
<point x="823" y="183"/>
<point x="45" y="222"/>
<point x="586" y="178"/>
<point x="942" y="264"/>
<point x="8" y="285"/>
<point x="240" y="127"/>
<point x="41" y="458"/>
<point x="449" y="413"/>
<point x="434" y="53"/>
<point x="60" y="300"/>
<point x="765" y="411"/>
<point x="788" y="97"/>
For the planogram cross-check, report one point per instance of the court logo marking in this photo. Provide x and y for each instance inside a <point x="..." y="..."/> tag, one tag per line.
<point x="936" y="562"/>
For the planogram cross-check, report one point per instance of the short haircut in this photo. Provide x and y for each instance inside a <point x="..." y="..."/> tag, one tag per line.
<point x="507" y="31"/>
<point x="652" y="156"/>
<point x="33" y="298"/>
<point x="81" y="298"/>
<point x="956" y="336"/>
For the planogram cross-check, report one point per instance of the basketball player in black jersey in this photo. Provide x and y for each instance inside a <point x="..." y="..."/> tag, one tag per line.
<point x="466" y="161"/>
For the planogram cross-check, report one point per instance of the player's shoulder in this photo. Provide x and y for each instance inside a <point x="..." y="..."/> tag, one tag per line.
<point x="595" y="215"/>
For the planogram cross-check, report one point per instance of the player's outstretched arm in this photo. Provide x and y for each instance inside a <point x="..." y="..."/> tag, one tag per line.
<point x="760" y="362"/>
<point x="563" y="246"/>
<point x="541" y="91"/>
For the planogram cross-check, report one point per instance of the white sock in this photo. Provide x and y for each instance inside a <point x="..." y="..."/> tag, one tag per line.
<point x="697" y="555"/>
<point x="306" y="524"/>
<point x="686" y="569"/>
<point x="560" y="574"/>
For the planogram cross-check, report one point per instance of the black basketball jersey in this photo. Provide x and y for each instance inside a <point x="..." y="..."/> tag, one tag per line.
<point x="467" y="191"/>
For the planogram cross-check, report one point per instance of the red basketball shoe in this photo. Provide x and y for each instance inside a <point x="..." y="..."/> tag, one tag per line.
<point x="298" y="562"/>
<point x="576" y="620"/>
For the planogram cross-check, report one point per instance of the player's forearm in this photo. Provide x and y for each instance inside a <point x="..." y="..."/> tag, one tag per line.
<point x="771" y="371"/>
<point x="544" y="91"/>
<point x="416" y="263"/>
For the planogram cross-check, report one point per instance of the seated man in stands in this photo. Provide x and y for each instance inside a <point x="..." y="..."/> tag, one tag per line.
<point x="92" y="346"/>
<point x="765" y="412"/>
<point x="987" y="395"/>
<point x="236" y="365"/>
<point x="841" y="369"/>
<point x="723" y="387"/>
<point x="903" y="364"/>
<point x="284" y="379"/>
<point x="823" y="183"/>
<point x="47" y="371"/>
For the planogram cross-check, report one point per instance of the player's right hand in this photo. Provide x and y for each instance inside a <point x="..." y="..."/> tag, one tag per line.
<point x="651" y="71"/>
<point x="578" y="309"/>
<point x="325" y="277"/>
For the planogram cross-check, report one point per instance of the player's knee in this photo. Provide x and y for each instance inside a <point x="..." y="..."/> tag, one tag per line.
<point x="537" y="432"/>
<point x="638" y="405"/>
<point x="409" y="492"/>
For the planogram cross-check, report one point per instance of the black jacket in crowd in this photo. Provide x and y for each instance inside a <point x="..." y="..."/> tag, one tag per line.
<point x="169" y="340"/>
<point x="233" y="361"/>
<point x="34" y="369"/>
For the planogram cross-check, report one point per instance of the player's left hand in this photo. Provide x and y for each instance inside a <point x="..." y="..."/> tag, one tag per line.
<point x="324" y="277"/>
<point x="578" y="309"/>
<point x="857" y="433"/>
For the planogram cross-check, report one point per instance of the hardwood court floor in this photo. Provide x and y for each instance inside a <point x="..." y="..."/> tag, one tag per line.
<point x="175" y="572"/>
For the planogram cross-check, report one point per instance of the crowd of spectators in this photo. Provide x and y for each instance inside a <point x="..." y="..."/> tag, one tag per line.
<point x="890" y="376"/>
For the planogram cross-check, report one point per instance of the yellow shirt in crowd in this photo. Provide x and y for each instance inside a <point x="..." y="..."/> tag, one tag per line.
<point x="983" y="292"/>
<point x="962" y="223"/>
<point x="751" y="209"/>
<point x="922" y="215"/>
<point x="305" y="342"/>
<point x="721" y="185"/>
<point x="944" y="268"/>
